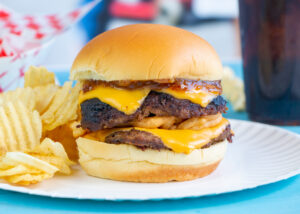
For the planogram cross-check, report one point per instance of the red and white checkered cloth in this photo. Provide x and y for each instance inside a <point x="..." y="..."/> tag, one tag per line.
<point x="23" y="38"/>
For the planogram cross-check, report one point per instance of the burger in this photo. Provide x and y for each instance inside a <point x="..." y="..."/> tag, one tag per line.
<point x="150" y="105"/>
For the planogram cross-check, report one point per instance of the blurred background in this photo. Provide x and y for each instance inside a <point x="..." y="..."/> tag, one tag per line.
<point x="214" y="20"/>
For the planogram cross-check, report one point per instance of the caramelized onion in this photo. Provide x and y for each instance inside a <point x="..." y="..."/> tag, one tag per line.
<point x="177" y="84"/>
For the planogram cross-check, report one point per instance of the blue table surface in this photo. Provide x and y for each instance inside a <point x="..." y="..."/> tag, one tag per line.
<point x="280" y="197"/>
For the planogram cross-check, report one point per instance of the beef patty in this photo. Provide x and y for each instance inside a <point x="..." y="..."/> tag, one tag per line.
<point x="96" y="115"/>
<point x="145" y="140"/>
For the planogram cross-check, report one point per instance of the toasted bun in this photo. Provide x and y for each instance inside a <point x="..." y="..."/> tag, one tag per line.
<point x="127" y="163"/>
<point x="147" y="52"/>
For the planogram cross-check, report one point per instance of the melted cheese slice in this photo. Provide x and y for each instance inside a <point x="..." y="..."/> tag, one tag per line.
<point x="180" y="141"/>
<point x="201" y="97"/>
<point x="127" y="101"/>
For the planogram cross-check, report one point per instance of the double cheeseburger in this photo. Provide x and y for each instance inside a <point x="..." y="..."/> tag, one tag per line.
<point x="151" y="105"/>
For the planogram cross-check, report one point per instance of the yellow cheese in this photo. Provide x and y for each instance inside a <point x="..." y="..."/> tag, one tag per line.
<point x="180" y="141"/>
<point x="201" y="97"/>
<point x="127" y="101"/>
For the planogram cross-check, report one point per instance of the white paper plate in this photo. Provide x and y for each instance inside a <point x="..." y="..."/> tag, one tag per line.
<point x="261" y="154"/>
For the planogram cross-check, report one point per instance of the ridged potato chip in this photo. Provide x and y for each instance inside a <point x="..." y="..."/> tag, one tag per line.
<point x="64" y="135"/>
<point x="23" y="169"/>
<point x="38" y="76"/>
<point x="44" y="96"/>
<point x="27" y="179"/>
<point x="24" y="95"/>
<point x="49" y="147"/>
<point x="20" y="158"/>
<point x="58" y="162"/>
<point x="63" y="107"/>
<point x="26" y="115"/>
<point x="16" y="170"/>
<point x="60" y="97"/>
<point x="54" y="154"/>
<point x="43" y="162"/>
<point x="20" y="128"/>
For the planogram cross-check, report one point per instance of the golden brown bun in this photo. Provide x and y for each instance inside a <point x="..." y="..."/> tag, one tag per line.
<point x="127" y="163"/>
<point x="145" y="172"/>
<point x="147" y="52"/>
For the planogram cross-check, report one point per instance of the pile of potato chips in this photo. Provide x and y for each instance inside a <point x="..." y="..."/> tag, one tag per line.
<point x="29" y="120"/>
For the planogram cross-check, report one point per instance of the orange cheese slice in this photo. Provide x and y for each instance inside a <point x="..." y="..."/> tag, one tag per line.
<point x="127" y="101"/>
<point x="201" y="97"/>
<point x="180" y="141"/>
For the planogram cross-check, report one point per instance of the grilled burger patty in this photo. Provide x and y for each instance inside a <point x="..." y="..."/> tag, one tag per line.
<point x="145" y="140"/>
<point x="96" y="115"/>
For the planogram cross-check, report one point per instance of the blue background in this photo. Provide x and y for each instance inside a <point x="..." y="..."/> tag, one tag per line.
<point x="280" y="197"/>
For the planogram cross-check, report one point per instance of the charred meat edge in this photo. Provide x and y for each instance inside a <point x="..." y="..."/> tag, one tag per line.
<point x="145" y="140"/>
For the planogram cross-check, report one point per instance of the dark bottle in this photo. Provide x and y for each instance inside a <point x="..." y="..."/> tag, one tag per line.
<point x="270" y="32"/>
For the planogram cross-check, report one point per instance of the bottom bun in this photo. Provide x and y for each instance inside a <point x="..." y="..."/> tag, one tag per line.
<point x="127" y="163"/>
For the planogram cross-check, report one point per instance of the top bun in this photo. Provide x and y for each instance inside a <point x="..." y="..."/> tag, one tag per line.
<point x="147" y="52"/>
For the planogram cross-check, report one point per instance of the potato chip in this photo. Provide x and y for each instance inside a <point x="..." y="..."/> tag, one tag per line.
<point x="43" y="162"/>
<point x="233" y="89"/>
<point x="38" y="76"/>
<point x="58" y="100"/>
<point x="20" y="158"/>
<point x="64" y="134"/>
<point x="49" y="147"/>
<point x="58" y="162"/>
<point x="24" y="160"/>
<point x="23" y="169"/>
<point x="63" y="107"/>
<point x="24" y="95"/>
<point x="27" y="179"/>
<point x="16" y="170"/>
<point x="20" y="129"/>
<point x="54" y="154"/>
<point x="3" y="147"/>
<point x="44" y="96"/>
